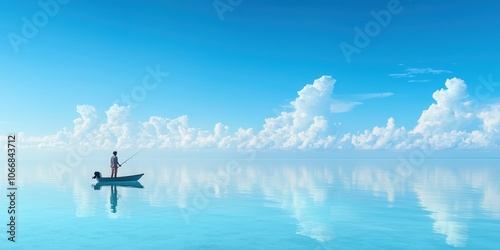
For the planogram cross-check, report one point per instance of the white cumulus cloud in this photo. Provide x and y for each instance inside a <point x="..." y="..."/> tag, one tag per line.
<point x="450" y="112"/>
<point x="388" y="137"/>
<point x="454" y="120"/>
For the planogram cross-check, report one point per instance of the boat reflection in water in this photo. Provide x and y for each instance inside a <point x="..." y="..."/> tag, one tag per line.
<point x="113" y="198"/>
<point x="131" y="184"/>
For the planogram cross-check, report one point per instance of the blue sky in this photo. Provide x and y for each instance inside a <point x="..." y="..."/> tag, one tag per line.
<point x="245" y="67"/>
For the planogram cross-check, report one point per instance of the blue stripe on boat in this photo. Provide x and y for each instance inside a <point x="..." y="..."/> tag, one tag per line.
<point x="121" y="178"/>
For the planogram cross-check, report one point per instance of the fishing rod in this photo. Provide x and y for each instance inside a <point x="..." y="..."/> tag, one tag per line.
<point x="131" y="157"/>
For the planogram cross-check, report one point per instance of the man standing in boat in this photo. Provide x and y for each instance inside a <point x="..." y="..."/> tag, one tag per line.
<point x="114" y="164"/>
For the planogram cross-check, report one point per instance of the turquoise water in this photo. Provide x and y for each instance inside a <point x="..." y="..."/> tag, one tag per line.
<point x="259" y="204"/>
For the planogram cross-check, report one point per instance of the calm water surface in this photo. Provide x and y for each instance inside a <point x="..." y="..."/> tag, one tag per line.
<point x="260" y="204"/>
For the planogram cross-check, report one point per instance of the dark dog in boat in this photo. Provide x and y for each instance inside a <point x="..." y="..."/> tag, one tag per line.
<point x="97" y="175"/>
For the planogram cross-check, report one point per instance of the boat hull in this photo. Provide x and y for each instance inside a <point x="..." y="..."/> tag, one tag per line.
<point x="120" y="179"/>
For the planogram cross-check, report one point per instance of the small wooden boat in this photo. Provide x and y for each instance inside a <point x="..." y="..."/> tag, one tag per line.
<point x="120" y="178"/>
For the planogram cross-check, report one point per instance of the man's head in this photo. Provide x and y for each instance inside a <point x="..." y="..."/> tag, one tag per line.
<point x="114" y="152"/>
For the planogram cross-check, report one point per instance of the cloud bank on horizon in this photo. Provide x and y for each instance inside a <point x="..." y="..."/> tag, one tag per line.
<point x="455" y="120"/>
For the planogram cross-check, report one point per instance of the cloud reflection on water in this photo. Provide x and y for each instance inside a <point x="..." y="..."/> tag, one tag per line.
<point x="452" y="194"/>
